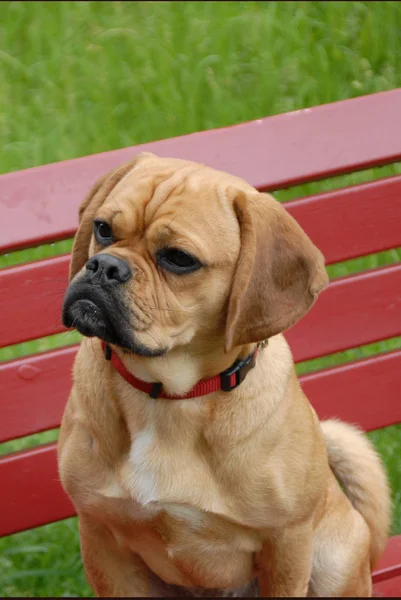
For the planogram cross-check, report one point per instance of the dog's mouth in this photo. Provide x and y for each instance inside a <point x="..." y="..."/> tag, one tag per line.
<point x="86" y="317"/>
<point x="96" y="313"/>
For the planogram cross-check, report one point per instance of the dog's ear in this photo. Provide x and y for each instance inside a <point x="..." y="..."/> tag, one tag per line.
<point x="92" y="202"/>
<point x="279" y="272"/>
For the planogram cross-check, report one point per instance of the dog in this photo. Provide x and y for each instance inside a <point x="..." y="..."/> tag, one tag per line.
<point x="196" y="464"/>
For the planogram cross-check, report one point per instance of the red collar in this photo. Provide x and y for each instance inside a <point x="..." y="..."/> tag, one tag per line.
<point x="225" y="381"/>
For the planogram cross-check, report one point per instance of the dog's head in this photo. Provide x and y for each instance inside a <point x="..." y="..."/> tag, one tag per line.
<point x="173" y="254"/>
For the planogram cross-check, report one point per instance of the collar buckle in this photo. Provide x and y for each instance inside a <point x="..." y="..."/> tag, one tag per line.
<point x="235" y="375"/>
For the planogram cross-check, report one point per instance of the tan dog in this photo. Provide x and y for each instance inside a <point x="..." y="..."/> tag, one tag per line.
<point x="182" y="270"/>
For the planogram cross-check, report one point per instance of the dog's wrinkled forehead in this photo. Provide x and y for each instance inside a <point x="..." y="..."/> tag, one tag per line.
<point x="180" y="193"/>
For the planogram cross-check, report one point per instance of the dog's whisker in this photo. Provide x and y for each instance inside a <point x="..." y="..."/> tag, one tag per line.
<point x="154" y="338"/>
<point x="54" y="294"/>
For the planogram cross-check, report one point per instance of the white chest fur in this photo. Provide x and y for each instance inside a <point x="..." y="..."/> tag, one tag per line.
<point x="160" y="473"/>
<point x="141" y="475"/>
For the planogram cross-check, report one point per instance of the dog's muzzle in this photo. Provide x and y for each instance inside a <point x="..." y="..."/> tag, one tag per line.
<point x="94" y="303"/>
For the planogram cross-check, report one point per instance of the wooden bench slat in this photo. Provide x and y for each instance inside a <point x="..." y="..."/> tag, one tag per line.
<point x="387" y="575"/>
<point x="365" y="392"/>
<point x="31" y="494"/>
<point x="40" y="205"/>
<point x="353" y="221"/>
<point x="31" y="298"/>
<point x="390" y="572"/>
<point x="389" y="588"/>
<point x="39" y="388"/>
<point x="353" y="310"/>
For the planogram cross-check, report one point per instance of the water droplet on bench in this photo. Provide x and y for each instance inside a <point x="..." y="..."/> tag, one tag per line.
<point x="28" y="372"/>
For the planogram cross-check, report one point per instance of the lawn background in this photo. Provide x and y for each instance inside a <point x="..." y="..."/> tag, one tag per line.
<point x="85" y="77"/>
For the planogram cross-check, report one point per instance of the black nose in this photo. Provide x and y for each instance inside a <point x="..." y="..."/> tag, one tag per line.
<point x="108" y="268"/>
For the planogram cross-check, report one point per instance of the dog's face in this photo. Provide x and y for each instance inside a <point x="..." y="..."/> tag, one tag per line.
<point x="173" y="254"/>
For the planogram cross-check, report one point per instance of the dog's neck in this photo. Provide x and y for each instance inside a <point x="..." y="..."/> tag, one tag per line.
<point x="181" y="369"/>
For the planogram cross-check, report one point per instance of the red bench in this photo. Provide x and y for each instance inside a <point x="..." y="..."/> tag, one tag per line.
<point x="41" y="205"/>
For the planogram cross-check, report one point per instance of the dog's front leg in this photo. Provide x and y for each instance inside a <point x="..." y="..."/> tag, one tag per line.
<point x="284" y="564"/>
<point x="111" y="572"/>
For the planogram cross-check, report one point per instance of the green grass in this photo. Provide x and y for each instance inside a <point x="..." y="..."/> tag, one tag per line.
<point x="85" y="77"/>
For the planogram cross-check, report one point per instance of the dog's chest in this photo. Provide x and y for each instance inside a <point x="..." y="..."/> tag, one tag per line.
<point x="175" y="480"/>
<point x="167" y="507"/>
<point x="158" y="475"/>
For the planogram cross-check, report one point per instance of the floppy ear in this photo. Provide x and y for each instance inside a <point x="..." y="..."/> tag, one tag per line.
<point x="279" y="272"/>
<point x="93" y="200"/>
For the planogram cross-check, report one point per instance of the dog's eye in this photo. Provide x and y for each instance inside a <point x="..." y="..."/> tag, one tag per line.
<point x="177" y="261"/>
<point x="103" y="232"/>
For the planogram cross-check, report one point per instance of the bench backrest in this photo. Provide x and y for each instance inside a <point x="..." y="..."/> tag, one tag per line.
<point x="41" y="205"/>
